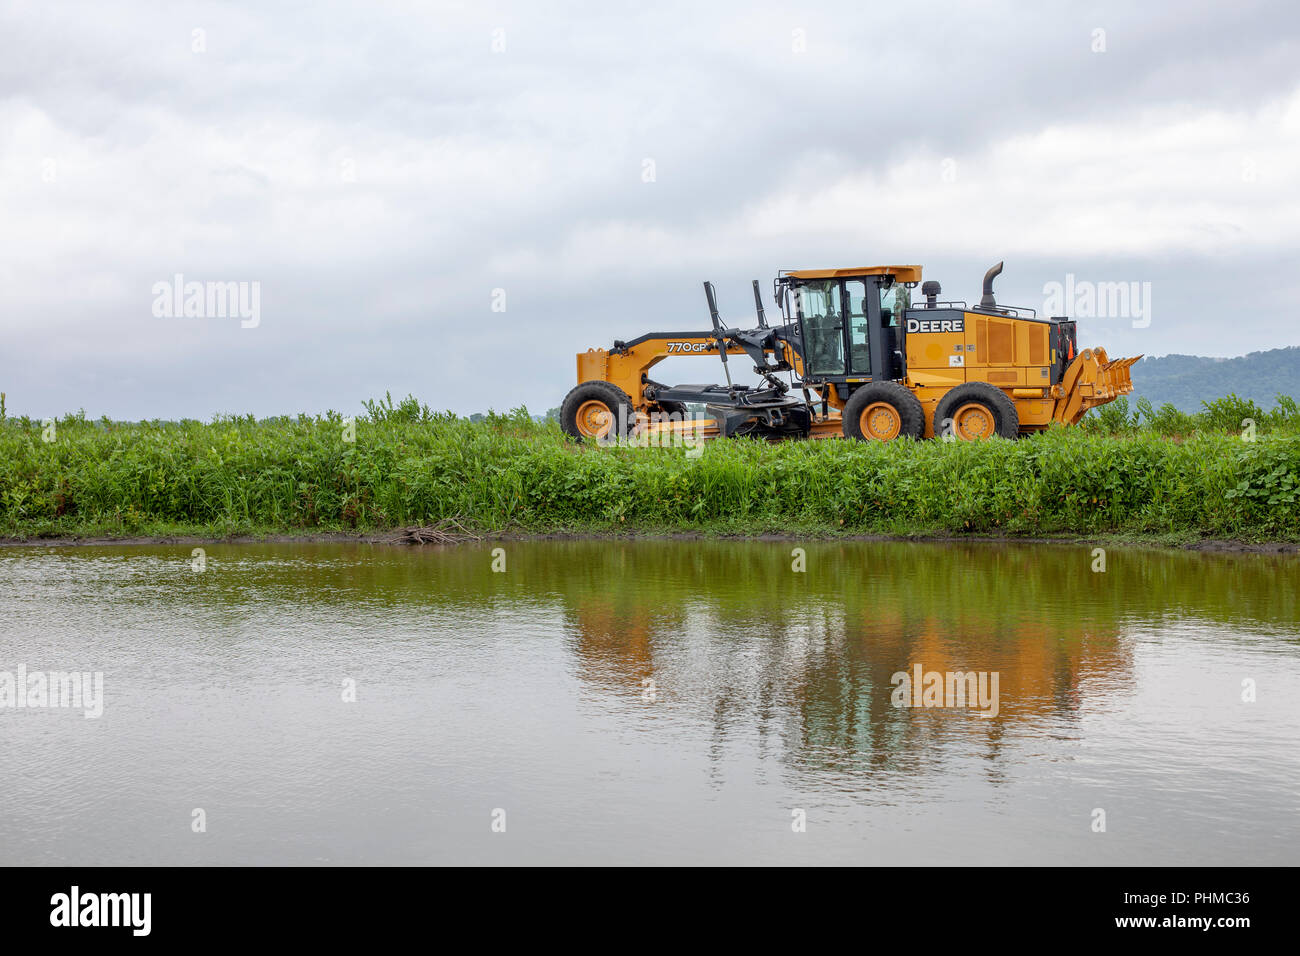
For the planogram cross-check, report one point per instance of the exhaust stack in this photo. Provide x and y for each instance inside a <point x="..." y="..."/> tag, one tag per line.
<point x="987" y="301"/>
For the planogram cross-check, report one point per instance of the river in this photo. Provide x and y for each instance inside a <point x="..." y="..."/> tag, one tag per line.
<point x="602" y="701"/>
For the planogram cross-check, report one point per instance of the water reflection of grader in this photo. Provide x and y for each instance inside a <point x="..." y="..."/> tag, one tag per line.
<point x="818" y="671"/>
<point x="861" y="362"/>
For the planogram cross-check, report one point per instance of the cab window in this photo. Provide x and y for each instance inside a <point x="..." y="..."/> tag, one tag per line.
<point x="893" y="302"/>
<point x="821" y="313"/>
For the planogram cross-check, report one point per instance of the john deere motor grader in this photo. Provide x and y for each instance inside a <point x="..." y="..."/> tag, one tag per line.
<point x="859" y="360"/>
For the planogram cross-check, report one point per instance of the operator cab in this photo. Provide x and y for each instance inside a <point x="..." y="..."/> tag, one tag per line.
<point x="848" y="322"/>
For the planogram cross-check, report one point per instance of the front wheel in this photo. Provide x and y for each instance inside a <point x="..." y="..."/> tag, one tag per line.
<point x="597" y="411"/>
<point x="883" y="411"/>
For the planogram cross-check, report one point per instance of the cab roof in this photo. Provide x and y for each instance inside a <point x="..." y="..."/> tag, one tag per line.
<point x="900" y="273"/>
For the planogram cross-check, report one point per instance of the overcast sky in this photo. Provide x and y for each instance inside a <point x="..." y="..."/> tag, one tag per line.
<point x="380" y="169"/>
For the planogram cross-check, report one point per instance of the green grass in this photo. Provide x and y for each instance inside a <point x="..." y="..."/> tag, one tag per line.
<point x="409" y="466"/>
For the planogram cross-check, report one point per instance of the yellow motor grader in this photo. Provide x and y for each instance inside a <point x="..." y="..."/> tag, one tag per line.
<point x="859" y="360"/>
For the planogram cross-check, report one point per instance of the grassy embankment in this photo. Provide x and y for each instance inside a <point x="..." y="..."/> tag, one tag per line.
<point x="1152" y="474"/>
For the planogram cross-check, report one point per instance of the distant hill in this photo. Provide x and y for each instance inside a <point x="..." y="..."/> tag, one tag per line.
<point x="1186" y="380"/>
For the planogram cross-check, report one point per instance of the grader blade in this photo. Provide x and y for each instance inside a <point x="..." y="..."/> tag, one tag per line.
<point x="1092" y="379"/>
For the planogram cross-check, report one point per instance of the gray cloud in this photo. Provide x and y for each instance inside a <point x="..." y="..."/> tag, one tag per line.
<point x="379" y="170"/>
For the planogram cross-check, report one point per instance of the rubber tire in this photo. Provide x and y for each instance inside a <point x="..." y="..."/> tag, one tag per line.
<point x="1006" y="420"/>
<point x="611" y="395"/>
<point x="910" y="413"/>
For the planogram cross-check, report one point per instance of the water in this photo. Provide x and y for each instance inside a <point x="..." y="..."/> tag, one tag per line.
<point x="528" y="691"/>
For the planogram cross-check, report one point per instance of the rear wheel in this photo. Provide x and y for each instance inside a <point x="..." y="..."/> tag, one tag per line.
<point x="595" y="411"/>
<point x="883" y="411"/>
<point x="976" y="410"/>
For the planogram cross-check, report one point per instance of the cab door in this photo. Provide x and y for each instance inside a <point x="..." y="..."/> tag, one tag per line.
<point x="862" y="319"/>
<point x="821" y="317"/>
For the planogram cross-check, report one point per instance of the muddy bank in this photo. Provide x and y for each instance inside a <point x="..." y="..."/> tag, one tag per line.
<point x="410" y="537"/>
